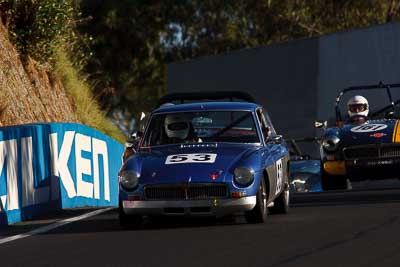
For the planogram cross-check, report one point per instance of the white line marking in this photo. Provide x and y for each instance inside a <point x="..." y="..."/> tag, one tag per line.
<point x="55" y="225"/>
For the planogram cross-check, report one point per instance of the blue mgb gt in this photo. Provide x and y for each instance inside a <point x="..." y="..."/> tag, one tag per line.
<point x="205" y="159"/>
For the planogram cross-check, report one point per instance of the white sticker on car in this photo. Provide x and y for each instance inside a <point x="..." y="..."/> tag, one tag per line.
<point x="279" y="176"/>
<point x="368" y="128"/>
<point x="191" y="158"/>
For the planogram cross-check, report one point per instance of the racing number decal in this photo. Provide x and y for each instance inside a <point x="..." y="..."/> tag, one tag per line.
<point x="191" y="158"/>
<point x="279" y="176"/>
<point x="368" y="128"/>
<point x="204" y="157"/>
<point x="176" y="159"/>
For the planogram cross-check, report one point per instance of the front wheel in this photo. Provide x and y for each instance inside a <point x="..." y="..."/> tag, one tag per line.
<point x="281" y="203"/>
<point x="259" y="213"/>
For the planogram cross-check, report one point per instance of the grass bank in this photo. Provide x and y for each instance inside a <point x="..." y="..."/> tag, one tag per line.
<point x="87" y="108"/>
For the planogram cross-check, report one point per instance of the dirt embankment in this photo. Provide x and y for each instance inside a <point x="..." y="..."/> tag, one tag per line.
<point x="28" y="92"/>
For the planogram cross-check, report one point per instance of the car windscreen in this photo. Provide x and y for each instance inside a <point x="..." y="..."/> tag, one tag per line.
<point x="202" y="126"/>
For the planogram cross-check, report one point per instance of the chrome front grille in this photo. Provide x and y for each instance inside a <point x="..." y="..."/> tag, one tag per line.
<point x="372" y="151"/>
<point x="186" y="191"/>
<point x="390" y="152"/>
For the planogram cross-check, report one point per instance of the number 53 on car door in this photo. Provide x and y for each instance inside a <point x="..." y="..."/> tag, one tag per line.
<point x="191" y="158"/>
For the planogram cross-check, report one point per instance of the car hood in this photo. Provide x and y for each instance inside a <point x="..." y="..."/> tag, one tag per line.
<point x="371" y="132"/>
<point x="153" y="168"/>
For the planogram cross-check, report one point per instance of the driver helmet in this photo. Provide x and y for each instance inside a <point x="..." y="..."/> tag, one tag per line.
<point x="176" y="126"/>
<point x="357" y="106"/>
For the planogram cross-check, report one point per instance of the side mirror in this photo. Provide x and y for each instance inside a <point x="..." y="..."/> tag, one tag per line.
<point x="276" y="139"/>
<point x="320" y="124"/>
<point x="132" y="144"/>
<point x="135" y="136"/>
<point x="134" y="139"/>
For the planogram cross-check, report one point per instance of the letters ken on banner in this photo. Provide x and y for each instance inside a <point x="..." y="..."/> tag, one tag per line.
<point x="10" y="161"/>
<point x="83" y="165"/>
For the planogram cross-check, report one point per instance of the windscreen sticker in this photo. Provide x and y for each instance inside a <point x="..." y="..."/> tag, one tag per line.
<point x="191" y="158"/>
<point x="366" y="128"/>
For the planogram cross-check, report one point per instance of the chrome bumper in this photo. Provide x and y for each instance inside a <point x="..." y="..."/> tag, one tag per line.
<point x="216" y="207"/>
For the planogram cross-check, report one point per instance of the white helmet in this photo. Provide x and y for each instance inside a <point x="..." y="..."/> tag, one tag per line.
<point x="357" y="106"/>
<point x="176" y="126"/>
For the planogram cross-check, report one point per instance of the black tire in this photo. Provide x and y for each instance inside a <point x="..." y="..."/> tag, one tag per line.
<point x="128" y="221"/>
<point x="333" y="182"/>
<point x="281" y="203"/>
<point x="259" y="213"/>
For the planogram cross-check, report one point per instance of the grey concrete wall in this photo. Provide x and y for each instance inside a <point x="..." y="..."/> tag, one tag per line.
<point x="298" y="81"/>
<point x="280" y="77"/>
<point x="358" y="57"/>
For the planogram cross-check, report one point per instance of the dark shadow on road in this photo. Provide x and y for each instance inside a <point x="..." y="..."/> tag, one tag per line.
<point x="43" y="220"/>
<point x="343" y="198"/>
<point x="109" y="222"/>
<point x="332" y="244"/>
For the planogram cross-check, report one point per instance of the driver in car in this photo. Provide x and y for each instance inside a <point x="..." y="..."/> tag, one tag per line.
<point x="179" y="129"/>
<point x="358" y="109"/>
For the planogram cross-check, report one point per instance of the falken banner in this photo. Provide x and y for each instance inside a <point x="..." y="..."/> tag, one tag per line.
<point x="54" y="166"/>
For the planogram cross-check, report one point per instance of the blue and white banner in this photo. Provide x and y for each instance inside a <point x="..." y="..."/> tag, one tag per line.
<point x="53" y="166"/>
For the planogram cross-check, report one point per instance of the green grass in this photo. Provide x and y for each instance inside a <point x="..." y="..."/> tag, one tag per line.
<point x="87" y="109"/>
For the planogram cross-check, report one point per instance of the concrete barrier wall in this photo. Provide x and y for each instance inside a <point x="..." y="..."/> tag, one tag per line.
<point x="298" y="81"/>
<point x="280" y="77"/>
<point x="364" y="56"/>
<point x="46" y="167"/>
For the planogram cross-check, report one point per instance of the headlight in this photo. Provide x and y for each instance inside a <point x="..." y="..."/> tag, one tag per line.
<point x="243" y="176"/>
<point x="330" y="143"/>
<point x="129" y="179"/>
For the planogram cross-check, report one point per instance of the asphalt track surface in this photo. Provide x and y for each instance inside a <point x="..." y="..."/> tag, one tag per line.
<point x="352" y="228"/>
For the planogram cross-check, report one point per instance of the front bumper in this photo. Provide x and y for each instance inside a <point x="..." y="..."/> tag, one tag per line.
<point x="212" y="207"/>
<point x="376" y="169"/>
<point x="363" y="169"/>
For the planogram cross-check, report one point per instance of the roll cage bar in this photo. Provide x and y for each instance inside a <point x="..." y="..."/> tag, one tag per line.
<point x="197" y="96"/>
<point x="381" y="85"/>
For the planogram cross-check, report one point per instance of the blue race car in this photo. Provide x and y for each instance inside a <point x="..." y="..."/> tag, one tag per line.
<point x="363" y="147"/>
<point x="205" y="159"/>
<point x="304" y="171"/>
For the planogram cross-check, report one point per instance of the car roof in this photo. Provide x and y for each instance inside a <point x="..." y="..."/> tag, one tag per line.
<point x="208" y="106"/>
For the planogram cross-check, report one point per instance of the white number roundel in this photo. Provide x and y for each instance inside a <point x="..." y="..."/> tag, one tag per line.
<point x="191" y="158"/>
<point x="368" y="128"/>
